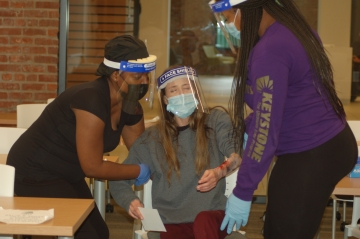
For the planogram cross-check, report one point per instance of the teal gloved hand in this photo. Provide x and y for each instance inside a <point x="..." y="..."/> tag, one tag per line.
<point x="144" y="174"/>
<point x="245" y="140"/>
<point x="236" y="213"/>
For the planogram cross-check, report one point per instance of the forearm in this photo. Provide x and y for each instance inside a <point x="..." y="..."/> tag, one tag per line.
<point x="114" y="171"/>
<point x="232" y="163"/>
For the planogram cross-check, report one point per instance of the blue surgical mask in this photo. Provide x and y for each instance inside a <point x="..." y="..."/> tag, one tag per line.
<point x="231" y="28"/>
<point x="182" y="105"/>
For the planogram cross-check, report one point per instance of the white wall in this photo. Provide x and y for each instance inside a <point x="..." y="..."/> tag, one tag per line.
<point x="334" y="22"/>
<point x="334" y="27"/>
<point x="154" y="28"/>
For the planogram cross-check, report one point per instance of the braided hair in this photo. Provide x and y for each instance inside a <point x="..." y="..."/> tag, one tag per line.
<point x="286" y="13"/>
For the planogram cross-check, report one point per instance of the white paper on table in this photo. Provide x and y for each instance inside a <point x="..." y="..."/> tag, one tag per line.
<point x="14" y="216"/>
<point x="152" y="220"/>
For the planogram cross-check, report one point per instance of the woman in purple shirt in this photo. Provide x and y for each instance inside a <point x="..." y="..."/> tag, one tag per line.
<point x="296" y="116"/>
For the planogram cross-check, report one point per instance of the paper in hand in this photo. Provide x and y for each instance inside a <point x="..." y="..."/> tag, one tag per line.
<point x="152" y="220"/>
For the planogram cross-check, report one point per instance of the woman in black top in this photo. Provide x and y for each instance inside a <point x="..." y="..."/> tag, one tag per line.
<point x="67" y="142"/>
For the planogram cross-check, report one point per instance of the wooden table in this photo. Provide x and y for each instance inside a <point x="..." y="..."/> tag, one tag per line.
<point x="350" y="186"/>
<point x="3" y="158"/>
<point x="99" y="185"/>
<point x="8" y="119"/>
<point x="69" y="214"/>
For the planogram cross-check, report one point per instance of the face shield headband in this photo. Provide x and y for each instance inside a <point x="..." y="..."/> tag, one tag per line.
<point x="141" y="95"/>
<point x="184" y="101"/>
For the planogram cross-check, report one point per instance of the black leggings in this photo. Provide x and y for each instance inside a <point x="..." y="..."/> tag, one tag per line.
<point x="301" y="184"/>
<point x="94" y="227"/>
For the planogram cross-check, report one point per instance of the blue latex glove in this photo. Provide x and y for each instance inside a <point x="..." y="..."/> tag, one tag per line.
<point x="236" y="212"/>
<point x="144" y="174"/>
<point x="245" y="140"/>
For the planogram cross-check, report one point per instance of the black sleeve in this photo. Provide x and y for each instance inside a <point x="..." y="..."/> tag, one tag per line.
<point x="91" y="100"/>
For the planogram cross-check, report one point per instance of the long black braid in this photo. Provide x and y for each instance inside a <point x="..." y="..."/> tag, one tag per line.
<point x="286" y="13"/>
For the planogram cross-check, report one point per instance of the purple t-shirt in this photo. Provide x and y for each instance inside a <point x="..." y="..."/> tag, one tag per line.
<point x="289" y="115"/>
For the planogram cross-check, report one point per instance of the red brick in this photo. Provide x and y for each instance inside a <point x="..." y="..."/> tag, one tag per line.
<point x="48" y="23"/>
<point x="46" y="41"/>
<point x="53" y="50"/>
<point x="20" y="22"/>
<point x="9" y="106"/>
<point x="22" y="4"/>
<point x="21" y="40"/>
<point x="9" y="86"/>
<point x="48" y="78"/>
<point x="54" y="14"/>
<point x="3" y="95"/>
<point x="52" y="87"/>
<point x="33" y="87"/>
<point x="34" y="50"/>
<point x="8" y="22"/>
<point x="3" y="58"/>
<point x="20" y="58"/>
<point x="4" y="4"/>
<point x="31" y="78"/>
<point x="21" y="96"/>
<point x="10" y="31"/>
<point x="10" y="49"/>
<point x="44" y="96"/>
<point x="6" y="77"/>
<point x="33" y="68"/>
<point x="53" y="5"/>
<point x="34" y="32"/>
<point x="12" y="68"/>
<point x="53" y="32"/>
<point x="8" y="13"/>
<point x="33" y="22"/>
<point x="19" y="77"/>
<point x="36" y="13"/>
<point x="52" y="69"/>
<point x="45" y="59"/>
<point x="4" y="40"/>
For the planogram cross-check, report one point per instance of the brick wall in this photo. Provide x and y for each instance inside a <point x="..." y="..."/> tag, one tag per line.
<point x="28" y="52"/>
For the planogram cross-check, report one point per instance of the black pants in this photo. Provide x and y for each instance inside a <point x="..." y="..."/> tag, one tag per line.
<point x="300" y="186"/>
<point x="94" y="227"/>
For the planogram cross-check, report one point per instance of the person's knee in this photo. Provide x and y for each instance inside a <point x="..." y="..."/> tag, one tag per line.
<point x="207" y="218"/>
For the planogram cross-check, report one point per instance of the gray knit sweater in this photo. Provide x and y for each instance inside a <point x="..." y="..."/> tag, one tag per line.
<point x="179" y="202"/>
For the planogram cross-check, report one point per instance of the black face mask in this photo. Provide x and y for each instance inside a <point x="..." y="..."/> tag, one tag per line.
<point x="135" y="92"/>
<point x="131" y="99"/>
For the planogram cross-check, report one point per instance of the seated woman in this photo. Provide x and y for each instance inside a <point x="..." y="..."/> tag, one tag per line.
<point x="184" y="151"/>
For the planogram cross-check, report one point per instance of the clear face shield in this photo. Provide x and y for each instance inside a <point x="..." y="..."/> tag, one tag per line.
<point x="225" y="17"/>
<point x="138" y="87"/>
<point x="180" y="90"/>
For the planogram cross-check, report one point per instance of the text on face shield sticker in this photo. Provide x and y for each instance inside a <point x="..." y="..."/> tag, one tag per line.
<point x="262" y="113"/>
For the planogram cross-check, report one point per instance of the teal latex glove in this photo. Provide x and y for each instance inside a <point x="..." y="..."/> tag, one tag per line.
<point x="236" y="213"/>
<point x="144" y="174"/>
<point x="245" y="140"/>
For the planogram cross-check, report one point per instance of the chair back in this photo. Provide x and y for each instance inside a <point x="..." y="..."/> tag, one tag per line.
<point x="28" y="113"/>
<point x="50" y="100"/>
<point x="7" y="178"/>
<point x="210" y="51"/>
<point x="8" y="136"/>
<point x="230" y="182"/>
